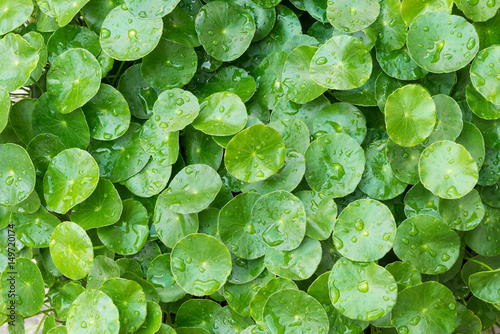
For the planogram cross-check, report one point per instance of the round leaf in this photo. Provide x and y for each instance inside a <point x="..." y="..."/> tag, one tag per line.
<point x="225" y="30"/>
<point x="427" y="243"/>
<point x="130" y="233"/>
<point x="130" y="300"/>
<point x="22" y="284"/>
<point x="175" y="109"/>
<point x="442" y="43"/>
<point x="343" y="63"/>
<point x="107" y="114"/>
<point x="255" y="153"/>
<point x="447" y="169"/>
<point x="192" y="189"/>
<point x="222" y="114"/>
<point x="71" y="177"/>
<point x="364" y="231"/>
<point x="169" y="65"/>
<point x="93" y="312"/>
<point x="425" y="308"/>
<point x="373" y="287"/>
<point x="71" y="250"/>
<point x="126" y="37"/>
<point x="293" y="310"/>
<point x="73" y="79"/>
<point x="484" y="77"/>
<point x="17" y="174"/>
<point x="410" y="115"/>
<point x="334" y="164"/>
<point x="280" y="218"/>
<point x="200" y="264"/>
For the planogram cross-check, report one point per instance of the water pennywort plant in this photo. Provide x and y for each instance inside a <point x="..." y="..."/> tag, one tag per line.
<point x="249" y="166"/>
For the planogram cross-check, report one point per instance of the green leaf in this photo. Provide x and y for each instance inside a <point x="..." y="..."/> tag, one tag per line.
<point x="107" y="114"/>
<point x="338" y="323"/>
<point x="484" y="77"/>
<point x="130" y="301"/>
<point x="93" y="312"/>
<point x="22" y="286"/>
<point x="222" y="114"/>
<point x="287" y="179"/>
<point x="13" y="14"/>
<point x="280" y="218"/>
<point x="71" y="91"/>
<point x="129" y="234"/>
<point x="4" y="108"/>
<point x="399" y="65"/>
<point x="485" y="238"/>
<point x="17" y="174"/>
<point x="449" y="122"/>
<point x="236" y="229"/>
<point x="72" y="37"/>
<point x="345" y="60"/>
<point x="410" y="115"/>
<point x="152" y="324"/>
<point x="372" y="286"/>
<point x="169" y="65"/>
<point x="231" y="79"/>
<point x="448" y="170"/>
<point x="64" y="185"/>
<point x="225" y="29"/>
<point x="298" y="85"/>
<point x="297" y="264"/>
<point x="349" y="16"/>
<point x="150" y="181"/>
<point x="462" y="214"/>
<point x="192" y="189"/>
<point x="175" y="109"/>
<point x="340" y="117"/>
<point x="255" y="154"/>
<point x="479" y="105"/>
<point x="71" y="250"/>
<point x="390" y="36"/>
<point x="102" y="208"/>
<point x="427" y="243"/>
<point x="197" y="313"/>
<point x="126" y="37"/>
<point x="379" y="181"/>
<point x="334" y="164"/>
<point x="102" y="270"/>
<point x="364" y="231"/>
<point x="42" y="149"/>
<point x="239" y="297"/>
<point x="434" y="45"/>
<point x="109" y="155"/>
<point x="200" y="264"/>
<point x="419" y="200"/>
<point x="160" y="275"/>
<point x="404" y="274"/>
<point x="72" y="129"/>
<point x="34" y="230"/>
<point x="162" y="145"/>
<point x="18" y="60"/>
<point x="171" y="226"/>
<point x="425" y="308"/>
<point x="140" y="95"/>
<point x="294" y="309"/>
<point x="150" y="9"/>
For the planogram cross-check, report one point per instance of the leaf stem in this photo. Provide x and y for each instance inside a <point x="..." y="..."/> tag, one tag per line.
<point x="99" y="247"/>
<point x="40" y="323"/>
<point x="479" y="262"/>
<point x="118" y="73"/>
<point x="37" y="84"/>
<point x="85" y="19"/>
